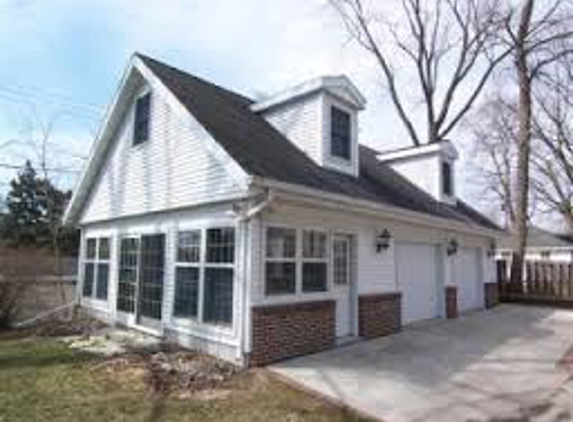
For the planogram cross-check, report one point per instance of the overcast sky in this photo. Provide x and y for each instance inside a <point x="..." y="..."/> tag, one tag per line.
<point x="62" y="60"/>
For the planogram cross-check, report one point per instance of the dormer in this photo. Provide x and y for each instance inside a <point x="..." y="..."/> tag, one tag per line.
<point x="321" y="118"/>
<point x="430" y="167"/>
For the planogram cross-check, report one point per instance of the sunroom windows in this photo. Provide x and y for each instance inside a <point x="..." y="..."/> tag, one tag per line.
<point x="96" y="268"/>
<point x="295" y="261"/>
<point x="204" y="274"/>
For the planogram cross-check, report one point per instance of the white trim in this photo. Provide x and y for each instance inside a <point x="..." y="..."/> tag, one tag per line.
<point x="324" y="83"/>
<point x="298" y="193"/>
<point x="444" y="147"/>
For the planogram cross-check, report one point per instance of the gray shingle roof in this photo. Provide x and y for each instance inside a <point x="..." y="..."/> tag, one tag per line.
<point x="261" y="150"/>
<point x="538" y="238"/>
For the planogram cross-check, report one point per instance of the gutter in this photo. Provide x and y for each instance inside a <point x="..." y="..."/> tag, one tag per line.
<point x="349" y="204"/>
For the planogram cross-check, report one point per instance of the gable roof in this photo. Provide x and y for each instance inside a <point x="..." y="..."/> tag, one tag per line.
<point x="539" y="239"/>
<point x="261" y="150"/>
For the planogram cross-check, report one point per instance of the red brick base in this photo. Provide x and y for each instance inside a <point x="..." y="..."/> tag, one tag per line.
<point x="451" y="302"/>
<point x="284" y="331"/>
<point x="379" y="314"/>
<point x="491" y="295"/>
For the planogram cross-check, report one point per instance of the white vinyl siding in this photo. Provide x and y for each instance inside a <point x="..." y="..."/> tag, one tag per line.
<point x="176" y="167"/>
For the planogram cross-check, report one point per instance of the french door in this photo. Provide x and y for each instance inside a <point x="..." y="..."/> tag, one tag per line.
<point x="141" y="275"/>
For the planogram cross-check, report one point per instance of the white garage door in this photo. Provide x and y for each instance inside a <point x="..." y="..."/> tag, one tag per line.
<point x="467" y="279"/>
<point x="417" y="281"/>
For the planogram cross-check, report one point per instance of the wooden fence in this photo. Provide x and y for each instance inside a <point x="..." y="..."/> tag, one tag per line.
<point x="543" y="282"/>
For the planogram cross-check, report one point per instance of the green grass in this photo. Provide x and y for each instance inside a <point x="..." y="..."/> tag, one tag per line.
<point x="42" y="380"/>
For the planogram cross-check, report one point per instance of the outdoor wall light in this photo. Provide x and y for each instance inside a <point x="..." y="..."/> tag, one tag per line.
<point x="452" y="247"/>
<point x="383" y="240"/>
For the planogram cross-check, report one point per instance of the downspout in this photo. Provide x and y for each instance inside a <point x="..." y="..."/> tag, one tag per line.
<point x="246" y="218"/>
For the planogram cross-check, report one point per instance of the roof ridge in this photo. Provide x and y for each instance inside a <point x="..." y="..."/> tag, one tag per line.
<point x="197" y="78"/>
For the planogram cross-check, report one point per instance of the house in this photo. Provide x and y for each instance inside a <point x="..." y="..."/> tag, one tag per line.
<point x="257" y="231"/>
<point x="541" y="245"/>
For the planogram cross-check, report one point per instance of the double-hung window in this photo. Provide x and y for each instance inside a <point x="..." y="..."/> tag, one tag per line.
<point x="280" y="266"/>
<point x="204" y="275"/>
<point x="314" y="261"/>
<point x="96" y="268"/>
<point x="292" y="266"/>
<point x="187" y="270"/>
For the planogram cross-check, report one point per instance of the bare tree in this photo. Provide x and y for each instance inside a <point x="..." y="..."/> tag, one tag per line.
<point x="452" y="46"/>
<point x="540" y="39"/>
<point x="552" y="160"/>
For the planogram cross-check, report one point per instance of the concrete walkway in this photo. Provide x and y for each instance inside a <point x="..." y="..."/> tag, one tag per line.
<point x="499" y="365"/>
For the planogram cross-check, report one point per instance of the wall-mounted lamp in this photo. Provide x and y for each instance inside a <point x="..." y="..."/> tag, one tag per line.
<point x="383" y="240"/>
<point x="491" y="249"/>
<point x="452" y="247"/>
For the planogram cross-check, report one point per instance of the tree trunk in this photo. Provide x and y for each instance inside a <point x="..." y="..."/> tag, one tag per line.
<point x="523" y="140"/>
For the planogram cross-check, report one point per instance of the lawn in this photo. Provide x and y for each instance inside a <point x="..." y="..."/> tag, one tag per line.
<point x="41" y="379"/>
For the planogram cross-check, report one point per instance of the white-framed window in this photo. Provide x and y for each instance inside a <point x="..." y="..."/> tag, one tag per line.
<point x="204" y="275"/>
<point x="280" y="266"/>
<point x="142" y="119"/>
<point x="129" y="249"/>
<point x="314" y="261"/>
<point x="340" y="133"/>
<point x="96" y="268"/>
<point x="447" y="178"/>
<point x="295" y="261"/>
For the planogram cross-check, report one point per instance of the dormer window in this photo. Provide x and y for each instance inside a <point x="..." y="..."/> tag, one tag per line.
<point x="447" y="179"/>
<point x="141" y="119"/>
<point x="340" y="133"/>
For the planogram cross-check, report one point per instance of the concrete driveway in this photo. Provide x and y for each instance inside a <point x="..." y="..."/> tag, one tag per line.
<point x="500" y="365"/>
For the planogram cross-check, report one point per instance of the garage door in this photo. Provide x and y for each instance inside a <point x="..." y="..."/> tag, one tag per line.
<point x="417" y="281"/>
<point x="467" y="279"/>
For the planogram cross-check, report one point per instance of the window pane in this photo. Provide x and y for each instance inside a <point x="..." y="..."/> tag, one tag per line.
<point x="88" y="286"/>
<point x="341" y="270"/>
<point x="281" y="243"/>
<point x="280" y="278"/>
<point x="313" y="244"/>
<point x="127" y="277"/>
<point x="103" y="252"/>
<point x="186" y="292"/>
<point x="447" y="178"/>
<point x="102" y="281"/>
<point x="313" y="277"/>
<point x="91" y="248"/>
<point x="141" y="119"/>
<point x="189" y="246"/>
<point x="340" y="133"/>
<point x="221" y="245"/>
<point x="218" y="297"/>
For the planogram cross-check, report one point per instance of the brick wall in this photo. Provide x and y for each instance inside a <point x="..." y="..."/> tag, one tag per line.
<point x="451" y="302"/>
<point x="379" y="315"/>
<point x="284" y="331"/>
<point x="491" y="295"/>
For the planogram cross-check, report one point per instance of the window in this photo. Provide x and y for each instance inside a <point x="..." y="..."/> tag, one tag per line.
<point x="314" y="261"/>
<point x="128" y="274"/>
<point x="141" y="119"/>
<point x="447" y="182"/>
<point x="204" y="275"/>
<point x="341" y="260"/>
<point x="546" y="255"/>
<point x="187" y="273"/>
<point x="219" y="275"/>
<point x="280" y="267"/>
<point x="340" y="133"/>
<point x="96" y="268"/>
<point x="283" y="262"/>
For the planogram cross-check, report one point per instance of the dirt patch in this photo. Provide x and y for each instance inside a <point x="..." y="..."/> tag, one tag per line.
<point x="184" y="373"/>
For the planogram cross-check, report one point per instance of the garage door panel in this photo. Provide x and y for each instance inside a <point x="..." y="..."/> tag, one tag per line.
<point x="467" y="279"/>
<point x="416" y="271"/>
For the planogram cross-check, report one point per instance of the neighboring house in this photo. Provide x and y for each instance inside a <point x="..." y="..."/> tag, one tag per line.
<point x="258" y="231"/>
<point x="542" y="245"/>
